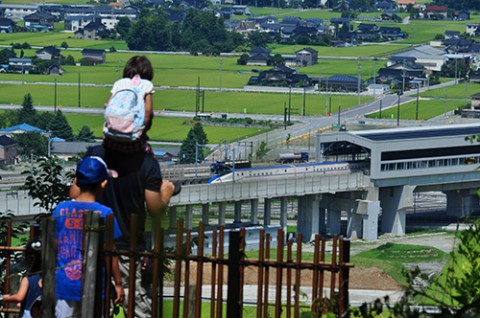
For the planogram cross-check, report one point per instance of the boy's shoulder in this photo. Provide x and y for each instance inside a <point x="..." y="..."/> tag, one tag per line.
<point x="72" y="205"/>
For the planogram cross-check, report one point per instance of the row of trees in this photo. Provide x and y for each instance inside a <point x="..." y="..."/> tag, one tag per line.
<point x="199" y="32"/>
<point x="55" y="122"/>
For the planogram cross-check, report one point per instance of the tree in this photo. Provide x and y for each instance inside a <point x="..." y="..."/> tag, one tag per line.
<point x="191" y="148"/>
<point x="151" y="32"/>
<point x="6" y="54"/>
<point x="48" y="184"/>
<point x="123" y="27"/>
<point x="454" y="68"/>
<point x="31" y="143"/>
<point x="60" y="127"/>
<point x="257" y="38"/>
<point x="261" y="151"/>
<point x="44" y="119"/>
<point x="243" y="59"/>
<point x="64" y="45"/>
<point x="199" y="133"/>
<point x="26" y="114"/>
<point x="278" y="59"/>
<point x="85" y="134"/>
<point x="187" y="149"/>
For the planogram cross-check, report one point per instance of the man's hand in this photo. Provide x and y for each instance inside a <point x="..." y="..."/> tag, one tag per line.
<point x="120" y="294"/>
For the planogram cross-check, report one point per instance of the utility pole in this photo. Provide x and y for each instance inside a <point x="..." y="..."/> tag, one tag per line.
<point x="403" y="76"/>
<point x="358" y="81"/>
<point x="304" y="100"/>
<point x="78" y="89"/>
<point x="380" y="109"/>
<point x="338" y="116"/>
<point x="399" y="93"/>
<point x="416" y="109"/>
<point x="55" y="96"/>
<point x="289" y="101"/>
<point x="221" y="66"/>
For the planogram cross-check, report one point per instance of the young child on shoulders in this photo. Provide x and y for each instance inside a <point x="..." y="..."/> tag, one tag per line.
<point x="138" y="72"/>
<point x="91" y="177"/>
<point x="30" y="290"/>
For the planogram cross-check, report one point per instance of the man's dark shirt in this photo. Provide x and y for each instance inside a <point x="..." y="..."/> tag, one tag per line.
<point x="125" y="194"/>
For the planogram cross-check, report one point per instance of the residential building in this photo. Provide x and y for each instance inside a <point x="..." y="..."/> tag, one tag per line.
<point x="6" y="25"/>
<point x="306" y="57"/>
<point x="430" y="57"/>
<point x="403" y="4"/>
<point x="472" y="29"/>
<point x="96" y="56"/>
<point x="259" y="56"/>
<point x="39" y="21"/>
<point x="17" y="12"/>
<point x="433" y="12"/>
<point x="48" y="53"/>
<point x="8" y="150"/>
<point x="91" y="31"/>
<point x="20" y="65"/>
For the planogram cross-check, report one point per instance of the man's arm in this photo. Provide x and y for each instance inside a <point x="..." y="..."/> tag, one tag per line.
<point x="117" y="278"/>
<point x="157" y="202"/>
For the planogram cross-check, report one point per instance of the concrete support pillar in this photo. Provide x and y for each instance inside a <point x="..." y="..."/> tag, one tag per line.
<point x="394" y="201"/>
<point x="334" y="221"/>
<point x="237" y="213"/>
<point x="205" y="213"/>
<point x="283" y="212"/>
<point x="308" y="217"/>
<point x="267" y="212"/>
<point x="354" y="225"/>
<point x="254" y="211"/>
<point x="370" y="220"/>
<point x="188" y="216"/>
<point x="363" y="218"/>
<point x="172" y="217"/>
<point x="222" y="206"/>
<point x="322" y="221"/>
<point x="461" y="203"/>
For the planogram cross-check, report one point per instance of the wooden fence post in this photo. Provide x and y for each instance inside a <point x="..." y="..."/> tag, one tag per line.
<point x="49" y="260"/>
<point x="91" y="282"/>
<point x="233" y="292"/>
<point x="344" y="276"/>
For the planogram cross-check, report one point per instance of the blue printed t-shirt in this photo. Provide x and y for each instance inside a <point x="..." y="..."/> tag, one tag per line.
<point x="69" y="233"/>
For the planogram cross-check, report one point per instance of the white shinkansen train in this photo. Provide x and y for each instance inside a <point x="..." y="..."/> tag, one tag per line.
<point x="284" y="171"/>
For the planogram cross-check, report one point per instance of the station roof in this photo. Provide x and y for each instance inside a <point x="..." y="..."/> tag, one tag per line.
<point x="419" y="132"/>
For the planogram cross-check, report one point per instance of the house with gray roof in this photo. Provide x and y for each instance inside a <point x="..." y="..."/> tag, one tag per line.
<point x="6" y="25"/>
<point x="306" y="57"/>
<point x="17" y="12"/>
<point x="430" y="57"/>
<point x="39" y="21"/>
<point x="48" y="53"/>
<point x="20" y="65"/>
<point x="96" y="56"/>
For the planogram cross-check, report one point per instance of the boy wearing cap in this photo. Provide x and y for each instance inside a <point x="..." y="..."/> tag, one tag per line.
<point x="91" y="178"/>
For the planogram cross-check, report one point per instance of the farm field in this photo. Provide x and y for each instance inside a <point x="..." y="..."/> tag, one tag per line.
<point x="166" y="129"/>
<point x="426" y="109"/>
<point x="462" y="90"/>
<point x="218" y="102"/>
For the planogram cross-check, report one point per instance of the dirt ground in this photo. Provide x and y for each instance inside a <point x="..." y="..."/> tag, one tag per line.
<point x="369" y="278"/>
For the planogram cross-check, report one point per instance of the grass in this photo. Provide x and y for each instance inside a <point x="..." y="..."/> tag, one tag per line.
<point x="462" y="91"/>
<point x="426" y="109"/>
<point x="390" y="258"/>
<point x="218" y="102"/>
<point x="166" y="129"/>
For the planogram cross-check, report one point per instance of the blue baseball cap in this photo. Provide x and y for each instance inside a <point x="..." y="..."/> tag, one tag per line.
<point x="92" y="170"/>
